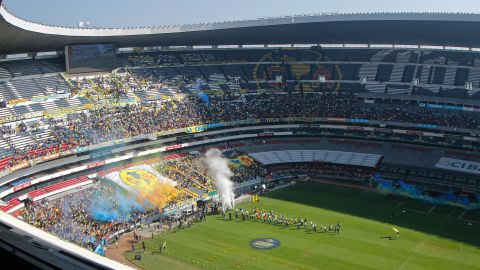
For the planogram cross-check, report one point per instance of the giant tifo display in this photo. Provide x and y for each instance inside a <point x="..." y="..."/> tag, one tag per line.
<point x="261" y="144"/>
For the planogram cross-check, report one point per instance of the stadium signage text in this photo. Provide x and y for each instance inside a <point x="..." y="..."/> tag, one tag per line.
<point x="196" y="129"/>
<point x="22" y="186"/>
<point x="459" y="165"/>
<point x="449" y="107"/>
<point x="264" y="243"/>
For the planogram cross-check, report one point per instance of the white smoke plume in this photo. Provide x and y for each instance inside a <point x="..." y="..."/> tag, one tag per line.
<point x="220" y="172"/>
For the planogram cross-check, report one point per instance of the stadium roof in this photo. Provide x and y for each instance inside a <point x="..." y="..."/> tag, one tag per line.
<point x="438" y="29"/>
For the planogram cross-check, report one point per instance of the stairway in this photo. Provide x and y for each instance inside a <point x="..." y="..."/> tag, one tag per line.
<point x="450" y="76"/>
<point x="397" y="73"/>
<point x="369" y="71"/>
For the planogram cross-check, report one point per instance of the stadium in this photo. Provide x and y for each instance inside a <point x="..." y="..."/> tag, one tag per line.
<point x="321" y="141"/>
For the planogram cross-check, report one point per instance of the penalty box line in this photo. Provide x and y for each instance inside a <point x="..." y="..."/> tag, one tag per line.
<point x="471" y="221"/>
<point x="429" y="211"/>
<point x="416" y="211"/>
<point x="400" y="204"/>
<point x="413" y="210"/>
<point x="460" y="217"/>
<point x="466" y="220"/>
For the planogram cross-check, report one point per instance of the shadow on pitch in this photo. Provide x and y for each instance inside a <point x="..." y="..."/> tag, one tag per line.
<point x="382" y="208"/>
<point x="389" y="237"/>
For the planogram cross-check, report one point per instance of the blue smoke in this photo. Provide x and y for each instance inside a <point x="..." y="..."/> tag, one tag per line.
<point x="100" y="250"/>
<point x="399" y="187"/>
<point x="204" y="97"/>
<point x="114" y="203"/>
<point x="200" y="94"/>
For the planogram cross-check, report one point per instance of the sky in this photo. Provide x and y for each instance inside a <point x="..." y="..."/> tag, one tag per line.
<point x="124" y="13"/>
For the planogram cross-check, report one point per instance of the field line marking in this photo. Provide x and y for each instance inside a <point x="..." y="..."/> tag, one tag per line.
<point x="412" y="255"/>
<point x="468" y="220"/>
<point x="416" y="211"/>
<point x="461" y="215"/>
<point x="401" y="203"/>
<point x="430" y="211"/>
<point x="459" y="252"/>
<point x="423" y="243"/>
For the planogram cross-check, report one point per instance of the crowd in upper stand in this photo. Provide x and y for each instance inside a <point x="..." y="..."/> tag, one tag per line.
<point x="106" y="124"/>
<point x="102" y="125"/>
<point x="121" y="122"/>
<point x="98" y="88"/>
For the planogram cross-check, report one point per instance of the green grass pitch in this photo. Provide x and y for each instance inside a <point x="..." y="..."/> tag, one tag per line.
<point x="431" y="237"/>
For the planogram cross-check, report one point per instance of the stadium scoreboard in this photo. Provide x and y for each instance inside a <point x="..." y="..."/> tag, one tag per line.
<point x="84" y="58"/>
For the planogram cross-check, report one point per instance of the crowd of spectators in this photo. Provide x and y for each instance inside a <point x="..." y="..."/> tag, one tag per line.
<point x="107" y="124"/>
<point x="114" y="123"/>
<point x="71" y="217"/>
<point x="187" y="172"/>
<point x="76" y="217"/>
<point x="98" y="88"/>
<point x="244" y="168"/>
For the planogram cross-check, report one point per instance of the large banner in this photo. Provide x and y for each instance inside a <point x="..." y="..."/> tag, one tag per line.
<point x="458" y="165"/>
<point x="241" y="161"/>
<point x="60" y="112"/>
<point x="145" y="184"/>
<point x="138" y="178"/>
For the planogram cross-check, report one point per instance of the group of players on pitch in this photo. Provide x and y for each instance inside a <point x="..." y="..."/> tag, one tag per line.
<point x="273" y="218"/>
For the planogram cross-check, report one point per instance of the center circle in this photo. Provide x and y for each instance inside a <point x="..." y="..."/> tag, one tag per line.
<point x="264" y="243"/>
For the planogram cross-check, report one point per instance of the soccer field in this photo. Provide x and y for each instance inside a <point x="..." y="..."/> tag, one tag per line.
<point x="431" y="237"/>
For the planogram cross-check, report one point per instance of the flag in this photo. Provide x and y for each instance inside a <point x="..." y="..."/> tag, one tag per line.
<point x="100" y="250"/>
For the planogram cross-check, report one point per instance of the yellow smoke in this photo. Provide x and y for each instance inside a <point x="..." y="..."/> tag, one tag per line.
<point x="150" y="190"/>
<point x="157" y="194"/>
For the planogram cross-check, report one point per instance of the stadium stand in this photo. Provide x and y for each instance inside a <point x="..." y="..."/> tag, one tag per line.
<point x="186" y="96"/>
